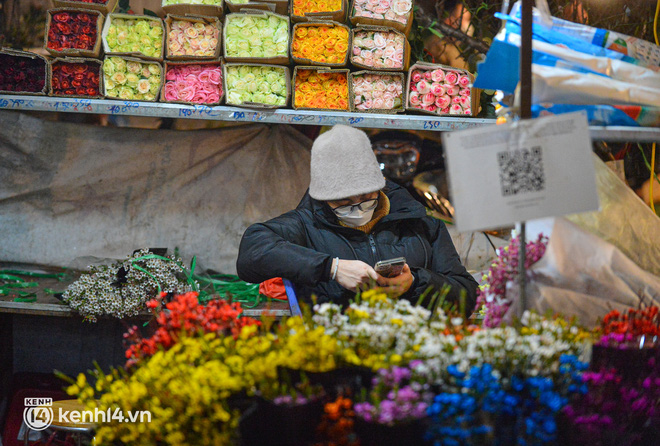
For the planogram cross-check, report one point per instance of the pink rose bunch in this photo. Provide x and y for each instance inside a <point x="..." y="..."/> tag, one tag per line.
<point x="378" y="49"/>
<point x="188" y="38"/>
<point x="443" y="92"/>
<point x="394" y="10"/>
<point x="195" y="83"/>
<point x="377" y="91"/>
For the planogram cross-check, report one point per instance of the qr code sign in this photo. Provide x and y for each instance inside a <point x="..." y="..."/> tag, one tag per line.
<point x="521" y="171"/>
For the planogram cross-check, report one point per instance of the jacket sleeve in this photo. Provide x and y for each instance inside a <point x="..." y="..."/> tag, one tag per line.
<point x="277" y="248"/>
<point x="445" y="268"/>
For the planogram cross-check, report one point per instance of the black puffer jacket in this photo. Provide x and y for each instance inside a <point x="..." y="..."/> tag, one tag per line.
<point x="301" y="244"/>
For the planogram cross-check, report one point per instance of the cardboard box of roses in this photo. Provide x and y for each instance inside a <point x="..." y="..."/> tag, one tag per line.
<point x="256" y="37"/>
<point x="76" y="77"/>
<point x="193" y="82"/>
<point x="441" y="90"/>
<point x="320" y="88"/>
<point x="73" y="32"/>
<point x="213" y="8"/>
<point x="140" y="36"/>
<point x="22" y="72"/>
<point x="306" y="10"/>
<point x="192" y="37"/>
<point x="131" y="78"/>
<point x="259" y="86"/>
<point x="379" y="48"/>
<point x="397" y="14"/>
<point x="377" y="91"/>
<point x="277" y="6"/>
<point x="309" y="43"/>
<point x="103" y="6"/>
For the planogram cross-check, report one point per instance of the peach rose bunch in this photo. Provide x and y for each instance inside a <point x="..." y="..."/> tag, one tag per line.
<point x="188" y="38"/>
<point x="377" y="92"/>
<point x="379" y="49"/>
<point x="315" y="89"/>
<point x="394" y="10"/>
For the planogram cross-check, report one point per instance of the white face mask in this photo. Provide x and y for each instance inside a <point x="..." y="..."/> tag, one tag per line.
<point x="356" y="217"/>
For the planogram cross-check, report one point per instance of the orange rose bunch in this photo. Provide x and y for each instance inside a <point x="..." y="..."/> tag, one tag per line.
<point x="314" y="89"/>
<point x="302" y="7"/>
<point x="320" y="43"/>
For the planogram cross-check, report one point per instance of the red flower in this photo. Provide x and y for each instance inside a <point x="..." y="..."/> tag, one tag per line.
<point x="61" y="17"/>
<point x="64" y="28"/>
<point x="92" y="92"/>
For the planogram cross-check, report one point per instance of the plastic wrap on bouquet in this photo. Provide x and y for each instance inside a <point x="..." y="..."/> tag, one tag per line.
<point x="623" y="220"/>
<point x="583" y="275"/>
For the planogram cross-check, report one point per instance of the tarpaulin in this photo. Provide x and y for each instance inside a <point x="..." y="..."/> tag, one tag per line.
<point x="72" y="191"/>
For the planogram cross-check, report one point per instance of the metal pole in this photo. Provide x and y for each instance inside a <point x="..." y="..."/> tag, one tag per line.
<point x="525" y="113"/>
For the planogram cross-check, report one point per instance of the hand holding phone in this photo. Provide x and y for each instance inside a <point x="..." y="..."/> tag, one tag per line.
<point x="390" y="267"/>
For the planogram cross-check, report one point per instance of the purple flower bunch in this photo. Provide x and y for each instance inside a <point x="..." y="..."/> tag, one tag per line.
<point x="614" y="410"/>
<point x="492" y="295"/>
<point x="397" y="395"/>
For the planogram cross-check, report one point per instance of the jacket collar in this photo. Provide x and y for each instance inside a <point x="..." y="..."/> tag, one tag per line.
<point x="402" y="206"/>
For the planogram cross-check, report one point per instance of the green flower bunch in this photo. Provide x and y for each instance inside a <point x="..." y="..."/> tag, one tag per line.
<point x="256" y="83"/>
<point x="256" y="36"/>
<point x="135" y="36"/>
<point x="131" y="79"/>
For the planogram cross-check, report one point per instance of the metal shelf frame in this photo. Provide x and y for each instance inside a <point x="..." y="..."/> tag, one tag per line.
<point x="287" y="116"/>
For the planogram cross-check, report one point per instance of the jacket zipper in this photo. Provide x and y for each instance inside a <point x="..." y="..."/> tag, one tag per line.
<point x="372" y="242"/>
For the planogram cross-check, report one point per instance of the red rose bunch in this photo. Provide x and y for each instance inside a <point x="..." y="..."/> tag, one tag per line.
<point x="72" y="30"/>
<point x="80" y="79"/>
<point x="22" y="74"/>
<point x="186" y="315"/>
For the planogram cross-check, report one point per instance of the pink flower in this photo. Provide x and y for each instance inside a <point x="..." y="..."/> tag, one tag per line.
<point x="414" y="99"/>
<point x="423" y="87"/>
<point x="389" y="63"/>
<point x="200" y="98"/>
<point x="451" y="77"/>
<point x="356" y="51"/>
<point x="427" y="76"/>
<point x="368" y="43"/>
<point x="215" y="77"/>
<point x="452" y="90"/>
<point x="368" y="104"/>
<point x="437" y="89"/>
<point x="379" y="103"/>
<point x="171" y="75"/>
<point x="438" y="75"/>
<point x="379" y="40"/>
<point x="456" y="100"/>
<point x="445" y="110"/>
<point x="464" y="92"/>
<point x="463" y="80"/>
<point x="214" y="98"/>
<point x="187" y="94"/>
<point x="467" y="111"/>
<point x="204" y="76"/>
<point x="443" y="101"/>
<point x="431" y="108"/>
<point x="428" y="99"/>
<point x="389" y="104"/>
<point x="455" y="109"/>
<point x="416" y="76"/>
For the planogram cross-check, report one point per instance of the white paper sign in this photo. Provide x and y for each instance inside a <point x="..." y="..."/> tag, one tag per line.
<point x="534" y="168"/>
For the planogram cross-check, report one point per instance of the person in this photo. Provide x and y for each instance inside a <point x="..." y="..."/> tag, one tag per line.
<point x="349" y="219"/>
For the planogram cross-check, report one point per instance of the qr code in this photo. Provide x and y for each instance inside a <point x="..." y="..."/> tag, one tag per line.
<point x="521" y="171"/>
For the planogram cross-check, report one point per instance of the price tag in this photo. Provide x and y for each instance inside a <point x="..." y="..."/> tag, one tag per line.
<point x="503" y="174"/>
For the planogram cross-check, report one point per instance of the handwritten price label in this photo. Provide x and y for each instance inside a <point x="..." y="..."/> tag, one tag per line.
<point x="198" y="110"/>
<point x="124" y="108"/>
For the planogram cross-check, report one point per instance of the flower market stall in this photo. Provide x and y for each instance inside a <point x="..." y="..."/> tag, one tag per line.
<point x="135" y="232"/>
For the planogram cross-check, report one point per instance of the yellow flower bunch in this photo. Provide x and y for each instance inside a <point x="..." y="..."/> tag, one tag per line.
<point x="183" y="390"/>
<point x="302" y="7"/>
<point x="315" y="89"/>
<point x="307" y="347"/>
<point x="320" y="43"/>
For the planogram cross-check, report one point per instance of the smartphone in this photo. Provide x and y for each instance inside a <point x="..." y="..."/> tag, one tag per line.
<point x="390" y="267"/>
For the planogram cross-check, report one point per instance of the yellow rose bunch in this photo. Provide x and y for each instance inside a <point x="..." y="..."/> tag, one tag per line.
<point x="302" y="7"/>
<point x="320" y="43"/>
<point x="324" y="90"/>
